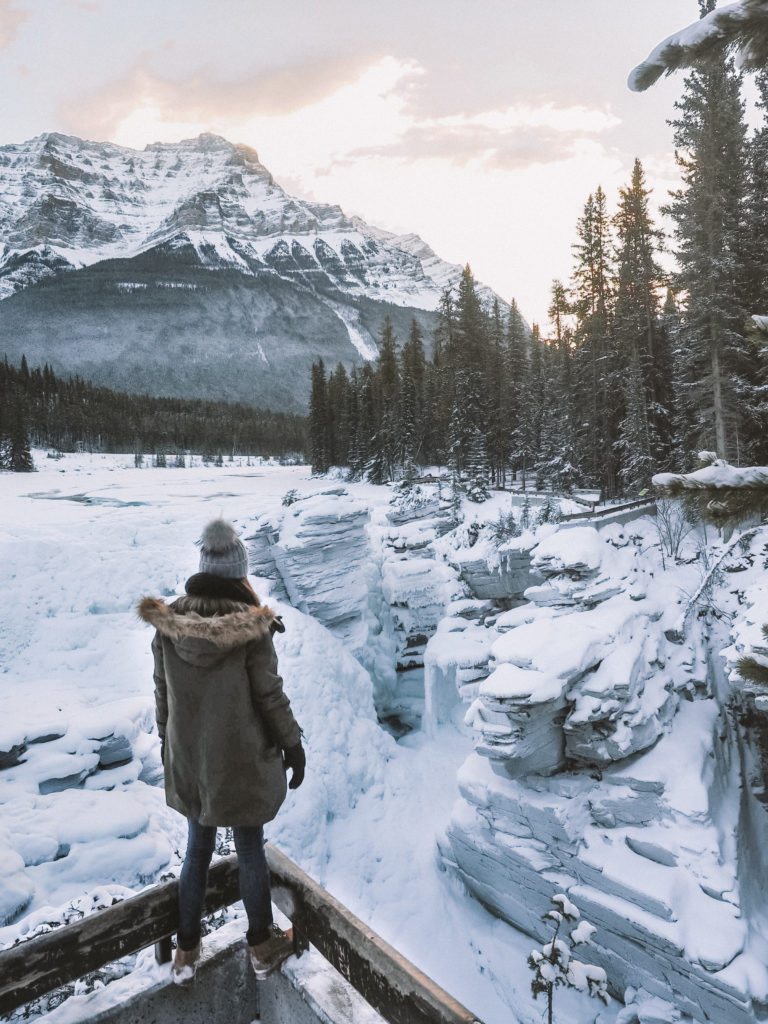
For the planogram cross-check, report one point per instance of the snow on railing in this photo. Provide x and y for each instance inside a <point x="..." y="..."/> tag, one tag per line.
<point x="392" y="985"/>
<point x="610" y="510"/>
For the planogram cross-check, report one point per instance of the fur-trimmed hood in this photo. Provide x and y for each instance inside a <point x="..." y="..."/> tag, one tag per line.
<point x="218" y="621"/>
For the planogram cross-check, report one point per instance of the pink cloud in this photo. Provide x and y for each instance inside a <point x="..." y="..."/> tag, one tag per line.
<point x="203" y="96"/>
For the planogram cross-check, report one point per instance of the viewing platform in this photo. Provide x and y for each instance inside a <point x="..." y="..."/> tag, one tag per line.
<point x="342" y="973"/>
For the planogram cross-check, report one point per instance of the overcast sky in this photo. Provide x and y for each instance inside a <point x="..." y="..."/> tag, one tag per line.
<point x="481" y="125"/>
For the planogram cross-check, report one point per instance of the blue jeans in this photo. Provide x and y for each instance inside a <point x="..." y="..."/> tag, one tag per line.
<point x="254" y="881"/>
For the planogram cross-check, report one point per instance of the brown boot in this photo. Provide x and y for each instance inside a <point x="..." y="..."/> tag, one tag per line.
<point x="185" y="964"/>
<point x="268" y="955"/>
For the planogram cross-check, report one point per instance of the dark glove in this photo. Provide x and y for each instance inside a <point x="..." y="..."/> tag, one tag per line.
<point x="295" y="759"/>
<point x="162" y="751"/>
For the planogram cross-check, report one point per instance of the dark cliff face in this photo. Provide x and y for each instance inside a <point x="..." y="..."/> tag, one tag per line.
<point x="185" y="269"/>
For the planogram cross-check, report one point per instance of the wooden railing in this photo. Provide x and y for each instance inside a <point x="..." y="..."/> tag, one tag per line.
<point x="392" y="985"/>
<point x="610" y="510"/>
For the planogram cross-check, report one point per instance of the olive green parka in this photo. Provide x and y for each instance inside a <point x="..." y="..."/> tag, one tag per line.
<point x="220" y="708"/>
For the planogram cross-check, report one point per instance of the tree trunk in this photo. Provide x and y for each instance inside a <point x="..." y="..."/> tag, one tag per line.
<point x="717" y="392"/>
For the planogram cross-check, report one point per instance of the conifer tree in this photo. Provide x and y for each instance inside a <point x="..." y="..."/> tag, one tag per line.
<point x="411" y="407"/>
<point x="498" y="398"/>
<point x="754" y="386"/>
<point x="385" y="446"/>
<point x="557" y="458"/>
<point x="596" y="363"/>
<point x="516" y="360"/>
<point x="469" y="358"/>
<point x="532" y="409"/>
<point x="643" y="357"/>
<point x="638" y="463"/>
<point x="707" y="210"/>
<point x="18" y="454"/>
<point x="439" y="384"/>
<point x="318" y="419"/>
<point x="338" y="426"/>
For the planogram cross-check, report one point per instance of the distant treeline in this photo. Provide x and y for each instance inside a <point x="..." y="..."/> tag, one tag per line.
<point x="73" y="415"/>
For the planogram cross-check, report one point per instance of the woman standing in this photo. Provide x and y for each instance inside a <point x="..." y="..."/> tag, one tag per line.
<point x="227" y="735"/>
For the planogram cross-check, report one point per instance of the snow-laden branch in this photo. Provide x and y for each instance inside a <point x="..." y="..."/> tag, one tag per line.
<point x="739" y="538"/>
<point x="741" y="26"/>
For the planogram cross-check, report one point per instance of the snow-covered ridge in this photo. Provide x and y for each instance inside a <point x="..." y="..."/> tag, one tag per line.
<point x="67" y="203"/>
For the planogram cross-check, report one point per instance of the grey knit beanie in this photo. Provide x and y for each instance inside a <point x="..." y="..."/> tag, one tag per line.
<point x="222" y="553"/>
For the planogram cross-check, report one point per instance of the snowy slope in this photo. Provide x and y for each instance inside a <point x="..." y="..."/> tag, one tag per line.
<point x="191" y="252"/>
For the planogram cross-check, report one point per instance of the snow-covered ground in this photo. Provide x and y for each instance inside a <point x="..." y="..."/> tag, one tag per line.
<point x="80" y="541"/>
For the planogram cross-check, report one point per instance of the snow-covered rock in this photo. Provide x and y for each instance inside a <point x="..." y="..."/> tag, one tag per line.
<point x="592" y="777"/>
<point x="503" y="575"/>
<point x="317" y="550"/>
<point x="652" y="881"/>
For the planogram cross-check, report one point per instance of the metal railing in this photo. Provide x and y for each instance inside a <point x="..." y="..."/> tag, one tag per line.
<point x="390" y="983"/>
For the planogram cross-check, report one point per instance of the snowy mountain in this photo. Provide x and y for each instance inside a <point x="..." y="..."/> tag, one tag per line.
<point x="186" y="269"/>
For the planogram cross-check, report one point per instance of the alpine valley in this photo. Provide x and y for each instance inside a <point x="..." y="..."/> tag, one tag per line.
<point x="184" y="269"/>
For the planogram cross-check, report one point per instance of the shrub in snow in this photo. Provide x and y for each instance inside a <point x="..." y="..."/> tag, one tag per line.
<point x="478" y="490"/>
<point x="505" y="527"/>
<point x="672" y="526"/>
<point x="290" y="497"/>
<point x="550" y="511"/>
<point x="525" y="514"/>
<point x="555" y="966"/>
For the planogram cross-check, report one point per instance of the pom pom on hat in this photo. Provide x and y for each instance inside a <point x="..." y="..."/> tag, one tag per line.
<point x="218" y="535"/>
<point x="222" y="553"/>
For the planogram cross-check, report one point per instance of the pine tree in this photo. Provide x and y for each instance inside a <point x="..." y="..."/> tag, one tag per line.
<point x="556" y="466"/>
<point x="468" y="358"/>
<point x="318" y="419"/>
<point x="638" y="463"/>
<point x="385" y="443"/>
<point x="497" y="388"/>
<point x="18" y="455"/>
<point x="338" y="425"/>
<point x="411" y="412"/>
<point x="516" y="368"/>
<point x="477" y="466"/>
<point x="532" y="408"/>
<point x="754" y="388"/>
<point x="643" y="356"/>
<point x="710" y="140"/>
<point x="596" y="363"/>
<point x="439" y="384"/>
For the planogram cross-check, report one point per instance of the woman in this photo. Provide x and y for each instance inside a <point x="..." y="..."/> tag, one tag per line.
<point x="227" y="734"/>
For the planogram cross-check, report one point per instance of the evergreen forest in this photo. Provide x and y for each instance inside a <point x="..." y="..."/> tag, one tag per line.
<point x="40" y="409"/>
<point x="636" y="371"/>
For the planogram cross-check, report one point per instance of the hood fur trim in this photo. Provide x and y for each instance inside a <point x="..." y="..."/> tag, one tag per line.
<point x="238" y="626"/>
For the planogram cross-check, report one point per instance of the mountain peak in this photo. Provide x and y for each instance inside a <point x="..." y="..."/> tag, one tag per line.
<point x="206" y="141"/>
<point x="185" y="269"/>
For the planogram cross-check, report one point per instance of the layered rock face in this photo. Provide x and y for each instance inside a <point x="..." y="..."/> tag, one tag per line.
<point x="569" y="790"/>
<point x="316" y="552"/>
<point x="505" y="579"/>
<point x="416" y="586"/>
<point x="185" y="269"/>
